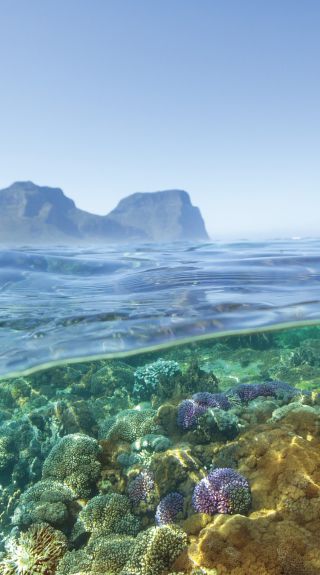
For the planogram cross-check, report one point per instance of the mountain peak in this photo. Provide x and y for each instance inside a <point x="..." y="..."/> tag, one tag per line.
<point x="166" y="215"/>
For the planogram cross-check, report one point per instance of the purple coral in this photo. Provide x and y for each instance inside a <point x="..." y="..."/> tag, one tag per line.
<point x="140" y="487"/>
<point x="208" y="399"/>
<point x="281" y="389"/>
<point x="224" y="490"/>
<point x="188" y="413"/>
<point x="168" y="508"/>
<point x="190" y="410"/>
<point x="246" y="392"/>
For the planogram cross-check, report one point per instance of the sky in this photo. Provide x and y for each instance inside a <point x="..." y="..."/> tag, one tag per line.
<point x="221" y="98"/>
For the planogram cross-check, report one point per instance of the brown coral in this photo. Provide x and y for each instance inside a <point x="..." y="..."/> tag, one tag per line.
<point x="284" y="473"/>
<point x="37" y="552"/>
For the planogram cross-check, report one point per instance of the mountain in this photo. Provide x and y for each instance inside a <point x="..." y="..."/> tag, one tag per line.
<point x="163" y="215"/>
<point x="39" y="214"/>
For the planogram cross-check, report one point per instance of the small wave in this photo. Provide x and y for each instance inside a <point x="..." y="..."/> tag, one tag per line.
<point x="59" y="304"/>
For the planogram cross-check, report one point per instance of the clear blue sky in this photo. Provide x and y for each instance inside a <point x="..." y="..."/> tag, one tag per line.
<point x="221" y="98"/>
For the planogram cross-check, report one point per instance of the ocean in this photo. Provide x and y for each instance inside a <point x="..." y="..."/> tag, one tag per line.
<point x="160" y="409"/>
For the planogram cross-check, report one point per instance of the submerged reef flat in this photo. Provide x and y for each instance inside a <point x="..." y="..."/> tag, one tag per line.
<point x="203" y="459"/>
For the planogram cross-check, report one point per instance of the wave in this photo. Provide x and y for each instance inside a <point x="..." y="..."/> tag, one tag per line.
<point x="60" y="303"/>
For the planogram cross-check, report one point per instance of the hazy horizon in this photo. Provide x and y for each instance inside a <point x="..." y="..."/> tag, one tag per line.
<point x="107" y="98"/>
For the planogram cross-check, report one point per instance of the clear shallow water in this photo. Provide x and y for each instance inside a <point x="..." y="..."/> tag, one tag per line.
<point x="105" y="465"/>
<point x="58" y="304"/>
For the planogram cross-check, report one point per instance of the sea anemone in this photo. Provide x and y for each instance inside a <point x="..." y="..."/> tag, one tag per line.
<point x="37" y="552"/>
<point x="168" y="508"/>
<point x="224" y="490"/>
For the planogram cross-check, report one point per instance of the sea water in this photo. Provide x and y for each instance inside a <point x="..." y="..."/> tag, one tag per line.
<point x="160" y="410"/>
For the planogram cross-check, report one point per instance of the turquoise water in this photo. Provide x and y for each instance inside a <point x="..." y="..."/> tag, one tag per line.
<point x="132" y="381"/>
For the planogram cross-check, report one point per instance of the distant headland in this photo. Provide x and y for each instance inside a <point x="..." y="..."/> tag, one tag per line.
<point x="40" y="214"/>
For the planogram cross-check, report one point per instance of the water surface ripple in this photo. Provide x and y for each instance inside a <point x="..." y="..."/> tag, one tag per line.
<point x="65" y="303"/>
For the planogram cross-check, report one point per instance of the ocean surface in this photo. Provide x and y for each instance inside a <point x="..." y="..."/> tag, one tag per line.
<point x="66" y="303"/>
<point x="160" y="409"/>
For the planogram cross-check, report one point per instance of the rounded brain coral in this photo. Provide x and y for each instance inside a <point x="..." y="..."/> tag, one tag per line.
<point x="224" y="490"/>
<point x="36" y="552"/>
<point x="74" y="462"/>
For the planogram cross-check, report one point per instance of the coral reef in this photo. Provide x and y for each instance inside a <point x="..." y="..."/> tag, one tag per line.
<point x="184" y="460"/>
<point x="74" y="462"/>
<point x="36" y="552"/>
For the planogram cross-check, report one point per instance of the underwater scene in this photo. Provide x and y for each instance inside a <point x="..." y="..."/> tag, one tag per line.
<point x="199" y="458"/>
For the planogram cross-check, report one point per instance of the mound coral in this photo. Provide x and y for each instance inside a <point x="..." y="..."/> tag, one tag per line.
<point x="150" y="377"/>
<point x="141" y="486"/>
<point x="168" y="508"/>
<point x="107" y="514"/>
<point x="224" y="490"/>
<point x="75" y="562"/>
<point x="74" y="462"/>
<point x="110" y="554"/>
<point x="47" y="501"/>
<point x="36" y="552"/>
<point x="155" y="550"/>
<point x="131" y="424"/>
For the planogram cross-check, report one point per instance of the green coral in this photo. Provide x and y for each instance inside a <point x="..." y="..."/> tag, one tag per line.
<point x="110" y="553"/>
<point x="36" y="552"/>
<point x="6" y="455"/>
<point x="156" y="377"/>
<point x="111" y="377"/>
<point x="47" y="501"/>
<point x="105" y="515"/>
<point x="131" y="424"/>
<point x="74" y="462"/>
<point x="155" y="551"/>
<point x="75" y="562"/>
